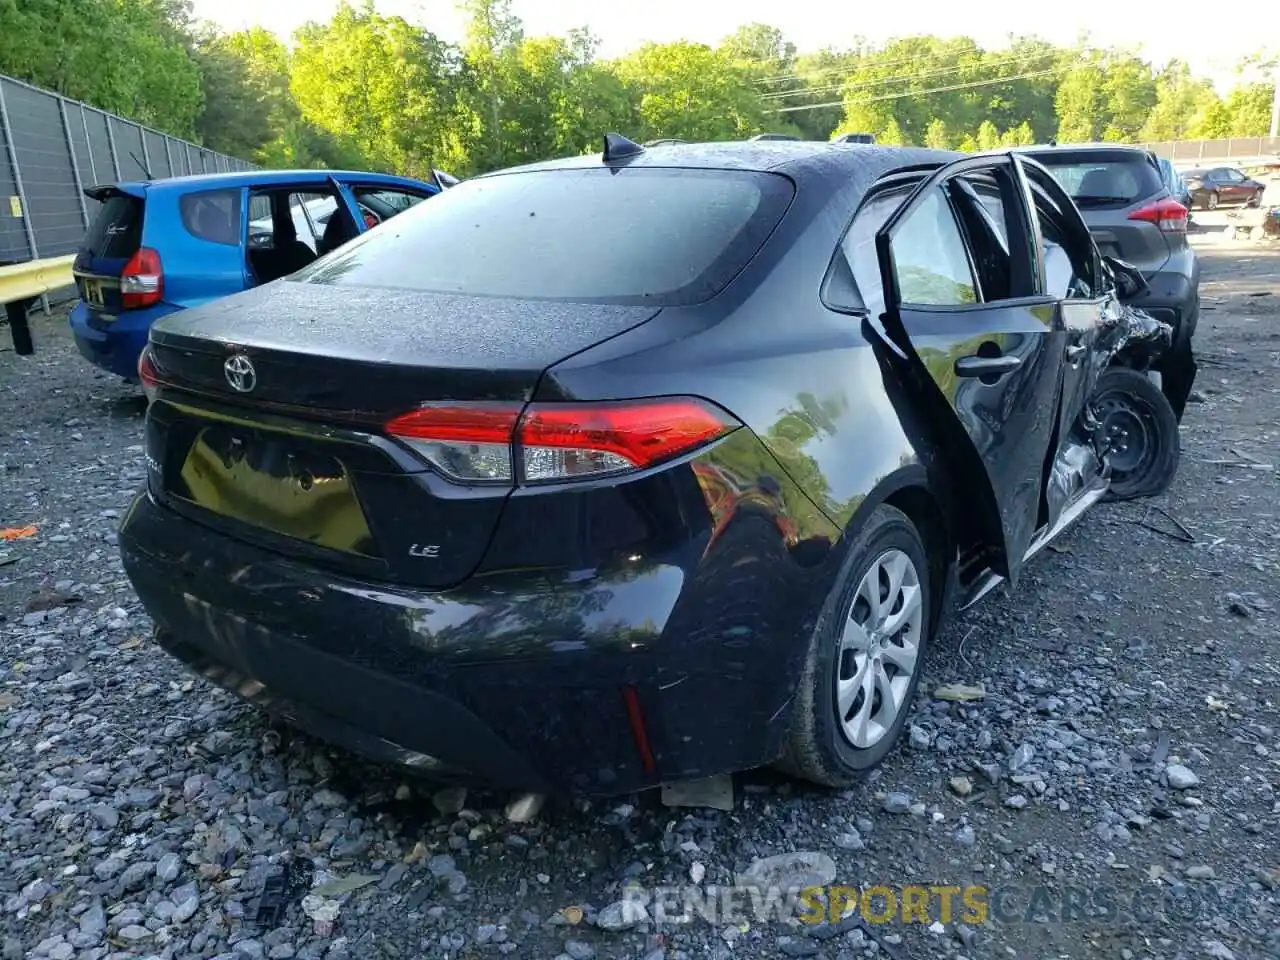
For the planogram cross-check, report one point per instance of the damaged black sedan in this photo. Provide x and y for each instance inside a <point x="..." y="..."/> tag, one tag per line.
<point x="627" y="469"/>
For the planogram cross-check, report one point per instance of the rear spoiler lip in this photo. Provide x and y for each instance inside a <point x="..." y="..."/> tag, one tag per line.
<point x="102" y="191"/>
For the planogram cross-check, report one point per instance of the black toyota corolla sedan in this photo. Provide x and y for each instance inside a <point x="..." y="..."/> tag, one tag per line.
<point x="651" y="465"/>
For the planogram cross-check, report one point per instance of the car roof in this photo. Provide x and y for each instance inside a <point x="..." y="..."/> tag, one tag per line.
<point x="255" y="178"/>
<point x="1085" y="148"/>
<point x="798" y="159"/>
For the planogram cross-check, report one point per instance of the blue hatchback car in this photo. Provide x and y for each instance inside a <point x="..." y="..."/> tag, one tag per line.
<point x="158" y="246"/>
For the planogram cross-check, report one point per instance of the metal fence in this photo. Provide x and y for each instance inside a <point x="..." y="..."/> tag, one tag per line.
<point x="51" y="148"/>
<point x="1222" y="150"/>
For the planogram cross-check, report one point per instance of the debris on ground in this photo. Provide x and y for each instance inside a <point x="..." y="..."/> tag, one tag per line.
<point x="715" y="793"/>
<point x="959" y="692"/>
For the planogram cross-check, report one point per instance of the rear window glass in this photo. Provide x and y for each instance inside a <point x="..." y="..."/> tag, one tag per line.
<point x="1103" y="179"/>
<point x="116" y="232"/>
<point x="212" y="215"/>
<point x="640" y="235"/>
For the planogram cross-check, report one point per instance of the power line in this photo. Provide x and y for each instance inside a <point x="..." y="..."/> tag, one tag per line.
<point x="901" y="77"/>
<point x="857" y="58"/>
<point x="919" y="93"/>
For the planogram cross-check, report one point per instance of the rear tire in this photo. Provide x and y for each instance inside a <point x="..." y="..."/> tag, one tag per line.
<point x="862" y="668"/>
<point x="1140" y="423"/>
<point x="1211" y="203"/>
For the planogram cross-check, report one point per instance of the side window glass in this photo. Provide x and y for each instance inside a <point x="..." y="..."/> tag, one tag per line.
<point x="212" y="215"/>
<point x="930" y="258"/>
<point x="1068" y="258"/>
<point x="384" y="204"/>
<point x="982" y="213"/>
<point x="310" y="212"/>
<point x="859" y="247"/>
<point x="261" y="229"/>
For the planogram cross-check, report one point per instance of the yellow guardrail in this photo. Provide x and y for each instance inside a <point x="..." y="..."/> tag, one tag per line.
<point x="26" y="281"/>
<point x="20" y="283"/>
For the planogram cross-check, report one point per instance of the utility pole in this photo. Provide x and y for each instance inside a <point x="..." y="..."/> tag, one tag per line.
<point x="1275" y="103"/>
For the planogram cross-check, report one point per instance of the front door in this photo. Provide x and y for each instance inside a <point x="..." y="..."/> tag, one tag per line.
<point x="964" y="302"/>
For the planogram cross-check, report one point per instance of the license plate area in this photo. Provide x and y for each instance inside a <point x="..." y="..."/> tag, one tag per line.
<point x="93" y="293"/>
<point x="271" y="482"/>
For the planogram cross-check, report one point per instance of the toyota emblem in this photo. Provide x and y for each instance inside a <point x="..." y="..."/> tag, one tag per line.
<point x="240" y="373"/>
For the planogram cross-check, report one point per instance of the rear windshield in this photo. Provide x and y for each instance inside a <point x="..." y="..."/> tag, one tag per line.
<point x="116" y="232"/>
<point x="657" y="236"/>
<point x="1102" y="178"/>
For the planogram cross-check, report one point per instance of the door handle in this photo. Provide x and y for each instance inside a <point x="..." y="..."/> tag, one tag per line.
<point x="1075" y="351"/>
<point x="986" y="366"/>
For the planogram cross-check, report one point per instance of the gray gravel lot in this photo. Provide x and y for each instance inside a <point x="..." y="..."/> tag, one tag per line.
<point x="1127" y="741"/>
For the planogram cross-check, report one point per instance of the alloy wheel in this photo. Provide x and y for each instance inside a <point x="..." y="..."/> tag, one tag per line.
<point x="879" y="649"/>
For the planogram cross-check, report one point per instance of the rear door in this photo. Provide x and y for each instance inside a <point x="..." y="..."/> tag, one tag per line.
<point x="1234" y="186"/>
<point x="111" y="241"/>
<point x="963" y="304"/>
<point x="1071" y="271"/>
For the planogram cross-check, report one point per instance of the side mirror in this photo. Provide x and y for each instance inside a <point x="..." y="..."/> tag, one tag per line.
<point x="443" y="180"/>
<point x="1129" y="281"/>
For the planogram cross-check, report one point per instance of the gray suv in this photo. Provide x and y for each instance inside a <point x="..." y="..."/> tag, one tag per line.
<point x="1126" y="202"/>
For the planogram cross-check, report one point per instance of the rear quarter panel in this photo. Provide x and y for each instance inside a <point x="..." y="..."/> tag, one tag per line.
<point x="805" y="379"/>
<point x="196" y="271"/>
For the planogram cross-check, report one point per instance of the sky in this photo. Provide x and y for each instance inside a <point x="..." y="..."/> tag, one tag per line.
<point x="1154" y="29"/>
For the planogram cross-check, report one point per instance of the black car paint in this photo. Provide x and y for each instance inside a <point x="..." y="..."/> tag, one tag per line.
<point x="613" y="598"/>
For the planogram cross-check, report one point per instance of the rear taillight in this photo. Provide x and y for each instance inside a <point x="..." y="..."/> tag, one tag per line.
<point x="142" y="282"/>
<point x="148" y="376"/>
<point x="496" y="443"/>
<point x="1167" y="214"/>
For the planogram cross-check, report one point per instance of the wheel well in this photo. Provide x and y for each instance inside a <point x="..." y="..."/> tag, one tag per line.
<point x="926" y="513"/>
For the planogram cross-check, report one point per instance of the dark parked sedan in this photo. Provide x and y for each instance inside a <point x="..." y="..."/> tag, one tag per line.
<point x="1213" y="187"/>
<point x="626" y="469"/>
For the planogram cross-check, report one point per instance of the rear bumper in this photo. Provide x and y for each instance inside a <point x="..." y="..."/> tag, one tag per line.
<point x="602" y="684"/>
<point x="1174" y="299"/>
<point x="116" y="347"/>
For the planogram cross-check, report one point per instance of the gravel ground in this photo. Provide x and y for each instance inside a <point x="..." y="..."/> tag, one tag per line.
<point x="1126" y="741"/>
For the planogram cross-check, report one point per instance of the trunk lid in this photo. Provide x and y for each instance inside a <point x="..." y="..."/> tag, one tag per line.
<point x="112" y="239"/>
<point x="298" y="462"/>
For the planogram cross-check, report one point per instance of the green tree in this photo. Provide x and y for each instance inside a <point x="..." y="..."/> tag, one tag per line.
<point x="892" y="134"/>
<point x="936" y="135"/>
<point x="490" y="55"/>
<point x="1249" y="109"/>
<point x="820" y="77"/>
<point x="768" y="62"/>
<point x="689" y="91"/>
<point x="1081" y="101"/>
<point x="126" y="56"/>
<point x="1020" y="136"/>
<point x="988" y="136"/>
<point x="1130" y="92"/>
<point x="380" y="88"/>
<point x="1180" y="100"/>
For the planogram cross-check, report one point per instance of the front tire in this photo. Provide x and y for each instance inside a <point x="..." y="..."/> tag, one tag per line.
<point x="1212" y="202"/>
<point x="865" y="655"/>
<point x="1142" y="429"/>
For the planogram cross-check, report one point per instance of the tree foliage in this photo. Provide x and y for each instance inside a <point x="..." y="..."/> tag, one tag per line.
<point x="368" y="90"/>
